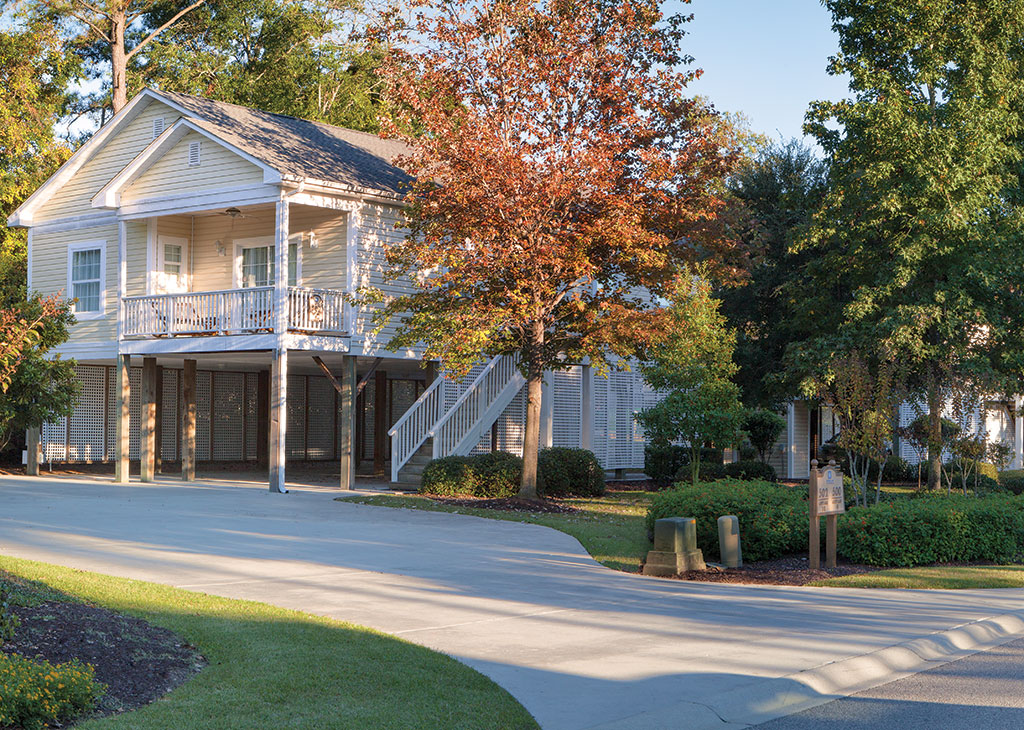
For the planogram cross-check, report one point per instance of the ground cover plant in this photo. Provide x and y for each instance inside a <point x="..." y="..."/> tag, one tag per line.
<point x="610" y="528"/>
<point x="270" y="667"/>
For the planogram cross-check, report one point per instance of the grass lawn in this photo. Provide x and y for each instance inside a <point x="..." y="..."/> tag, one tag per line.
<point x="274" y="668"/>
<point x="610" y="528"/>
<point x="934" y="576"/>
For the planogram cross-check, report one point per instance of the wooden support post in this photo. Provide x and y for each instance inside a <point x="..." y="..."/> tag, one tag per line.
<point x="278" y="421"/>
<point x="147" y="432"/>
<point x="123" y="425"/>
<point x="263" y="418"/>
<point x="188" y="421"/>
<point x="831" y="523"/>
<point x="380" y="421"/>
<point x="32" y="445"/>
<point x="347" y="423"/>
<point x="158" y="455"/>
<point x="814" y="528"/>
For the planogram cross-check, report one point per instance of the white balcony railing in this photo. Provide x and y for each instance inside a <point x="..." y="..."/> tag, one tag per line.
<point x="231" y="311"/>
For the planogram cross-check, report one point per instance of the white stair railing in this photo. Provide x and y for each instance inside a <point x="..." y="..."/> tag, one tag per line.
<point x="413" y="428"/>
<point x="462" y="426"/>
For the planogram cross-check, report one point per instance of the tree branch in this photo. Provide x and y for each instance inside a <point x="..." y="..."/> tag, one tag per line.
<point x="162" y="28"/>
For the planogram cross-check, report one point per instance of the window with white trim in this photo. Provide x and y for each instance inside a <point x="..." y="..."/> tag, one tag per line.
<point x="86" y="264"/>
<point x="256" y="265"/>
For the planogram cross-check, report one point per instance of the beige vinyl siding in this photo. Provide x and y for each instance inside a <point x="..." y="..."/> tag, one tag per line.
<point x="323" y="267"/>
<point x="219" y="168"/>
<point x="210" y="271"/>
<point x="75" y="196"/>
<point x="377" y="231"/>
<point x="136" y="247"/>
<point x="802" y="438"/>
<point x="50" y="276"/>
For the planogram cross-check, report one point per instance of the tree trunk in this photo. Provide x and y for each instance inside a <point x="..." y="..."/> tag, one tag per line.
<point x="935" y="437"/>
<point x="118" y="62"/>
<point x="531" y="438"/>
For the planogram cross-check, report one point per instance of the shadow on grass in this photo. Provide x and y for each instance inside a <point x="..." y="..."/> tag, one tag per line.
<point x="275" y="668"/>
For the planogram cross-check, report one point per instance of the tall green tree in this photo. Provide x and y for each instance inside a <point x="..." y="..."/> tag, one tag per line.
<point x="691" y="362"/>
<point x="918" y="241"/>
<point x="306" y="59"/>
<point x="781" y="185"/>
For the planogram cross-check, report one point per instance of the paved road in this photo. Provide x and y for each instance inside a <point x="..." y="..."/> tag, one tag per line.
<point x="985" y="690"/>
<point x="579" y="645"/>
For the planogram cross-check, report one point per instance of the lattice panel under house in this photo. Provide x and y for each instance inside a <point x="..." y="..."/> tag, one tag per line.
<point x="203" y="399"/>
<point x="135" y="413"/>
<point x="85" y="426"/>
<point x="599" y="420"/>
<point x="567" y="413"/>
<point x="320" y="415"/>
<point x="295" y="437"/>
<point x="252" y="385"/>
<point x="510" y="425"/>
<point x="368" y="417"/>
<point x="53" y="439"/>
<point x="228" y="391"/>
<point x="169" y="416"/>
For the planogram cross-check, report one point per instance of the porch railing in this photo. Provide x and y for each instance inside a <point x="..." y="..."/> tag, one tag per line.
<point x="231" y="311"/>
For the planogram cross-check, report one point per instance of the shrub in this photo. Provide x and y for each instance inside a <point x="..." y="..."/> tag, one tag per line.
<point x="1014" y="484"/>
<point x="662" y="463"/>
<point x="710" y="455"/>
<point x="944" y="529"/>
<point x="763" y="428"/>
<point x="8" y="621"/>
<point x="751" y="470"/>
<point x="773" y="519"/>
<point x="37" y="694"/>
<point x="492" y="476"/>
<point x="896" y="470"/>
<point x="747" y="451"/>
<point x="709" y="472"/>
<point x="562" y="472"/>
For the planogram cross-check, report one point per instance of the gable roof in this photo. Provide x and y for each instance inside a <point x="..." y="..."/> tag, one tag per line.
<point x="296" y="149"/>
<point x="300" y="148"/>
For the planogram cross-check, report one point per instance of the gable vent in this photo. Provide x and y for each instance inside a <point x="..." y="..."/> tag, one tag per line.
<point x="193" y="154"/>
<point x="158" y="127"/>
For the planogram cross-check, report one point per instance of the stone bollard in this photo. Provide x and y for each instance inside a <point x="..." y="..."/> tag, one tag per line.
<point x="675" y="547"/>
<point x="729" y="541"/>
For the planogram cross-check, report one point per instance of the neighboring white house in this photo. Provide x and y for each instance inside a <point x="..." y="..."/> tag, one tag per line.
<point x="210" y="248"/>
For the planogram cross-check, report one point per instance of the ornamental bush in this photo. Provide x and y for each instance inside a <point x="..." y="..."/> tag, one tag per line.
<point x="490" y="476"/>
<point x="773" y="519"/>
<point x="562" y="472"/>
<point x="934" y="529"/>
<point x="38" y="694"/>
<point x="449" y="476"/>
<point x="751" y="470"/>
<point x="1015" y="484"/>
<point x="662" y="463"/>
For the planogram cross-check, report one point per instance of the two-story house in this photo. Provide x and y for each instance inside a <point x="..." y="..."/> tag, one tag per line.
<point x="208" y="249"/>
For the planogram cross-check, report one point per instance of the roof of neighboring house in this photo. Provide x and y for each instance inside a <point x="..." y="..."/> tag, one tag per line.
<point x="298" y="147"/>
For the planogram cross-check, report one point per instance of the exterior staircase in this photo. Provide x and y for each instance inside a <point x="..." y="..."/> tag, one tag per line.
<point x="431" y="429"/>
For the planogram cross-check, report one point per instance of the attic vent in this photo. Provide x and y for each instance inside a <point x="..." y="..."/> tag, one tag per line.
<point x="158" y="127"/>
<point x="193" y="154"/>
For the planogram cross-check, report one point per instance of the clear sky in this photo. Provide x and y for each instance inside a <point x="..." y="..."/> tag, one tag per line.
<point x="765" y="58"/>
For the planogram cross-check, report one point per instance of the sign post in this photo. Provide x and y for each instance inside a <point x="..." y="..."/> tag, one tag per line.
<point x="826" y="499"/>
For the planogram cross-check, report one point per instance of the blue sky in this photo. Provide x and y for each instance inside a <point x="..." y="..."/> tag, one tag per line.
<point x="765" y="58"/>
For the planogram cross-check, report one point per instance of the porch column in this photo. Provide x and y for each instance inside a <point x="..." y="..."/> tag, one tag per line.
<point x="123" y="425"/>
<point x="278" y="420"/>
<point x="790" y="439"/>
<point x="547" y="411"/>
<point x="380" y="421"/>
<point x="281" y="268"/>
<point x="32" y="445"/>
<point x="188" y="421"/>
<point x="587" y="408"/>
<point x="147" y="446"/>
<point x="346" y="422"/>
<point x="1018" y="440"/>
<point x="263" y="417"/>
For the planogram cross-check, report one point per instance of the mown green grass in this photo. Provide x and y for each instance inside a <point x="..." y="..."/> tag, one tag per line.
<point x="934" y="577"/>
<point x="610" y="528"/>
<point x="274" y="668"/>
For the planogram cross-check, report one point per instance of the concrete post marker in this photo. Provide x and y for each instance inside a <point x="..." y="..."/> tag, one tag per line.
<point x="675" y="547"/>
<point x="729" y="541"/>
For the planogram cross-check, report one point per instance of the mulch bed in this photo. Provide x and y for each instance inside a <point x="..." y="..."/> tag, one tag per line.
<point x="788" y="571"/>
<point x="137" y="661"/>
<point x="510" y="504"/>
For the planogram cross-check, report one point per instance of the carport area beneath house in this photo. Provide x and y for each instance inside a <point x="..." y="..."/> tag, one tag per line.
<point x="232" y="394"/>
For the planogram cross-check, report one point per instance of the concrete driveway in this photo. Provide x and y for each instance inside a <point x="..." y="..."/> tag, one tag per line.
<point x="579" y="645"/>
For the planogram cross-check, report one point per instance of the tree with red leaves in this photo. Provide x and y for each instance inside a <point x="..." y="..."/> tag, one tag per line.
<point x="562" y="176"/>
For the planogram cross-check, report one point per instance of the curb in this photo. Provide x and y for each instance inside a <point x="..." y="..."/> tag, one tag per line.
<point x="781" y="696"/>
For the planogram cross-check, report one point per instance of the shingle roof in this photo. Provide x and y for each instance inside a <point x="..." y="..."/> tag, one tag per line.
<point x="299" y="147"/>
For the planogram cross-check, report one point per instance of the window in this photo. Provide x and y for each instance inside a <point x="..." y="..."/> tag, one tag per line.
<point x="172" y="259"/>
<point x="257" y="265"/>
<point x="193" y="153"/>
<point x="86" y="263"/>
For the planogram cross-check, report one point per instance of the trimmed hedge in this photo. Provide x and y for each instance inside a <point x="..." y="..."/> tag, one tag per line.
<point x="751" y="470"/>
<point x="773" y="519"/>
<point x="496" y="475"/>
<point x="562" y="472"/>
<point x="935" y="529"/>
